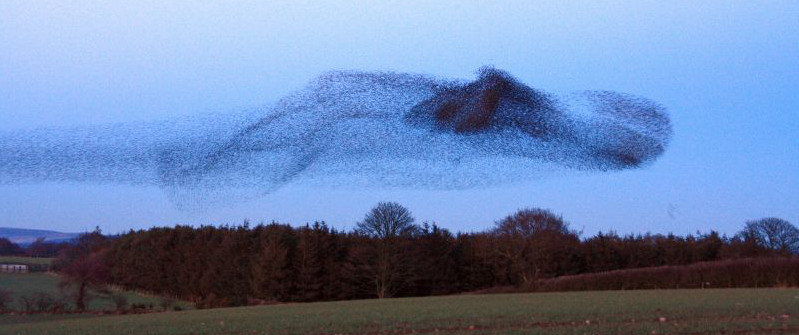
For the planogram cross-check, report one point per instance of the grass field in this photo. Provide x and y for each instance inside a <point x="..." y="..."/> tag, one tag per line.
<point x="26" y="260"/>
<point x="29" y="283"/>
<point x="718" y="311"/>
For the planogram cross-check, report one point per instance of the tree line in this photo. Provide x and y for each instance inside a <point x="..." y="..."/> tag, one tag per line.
<point x="39" y="248"/>
<point x="387" y="255"/>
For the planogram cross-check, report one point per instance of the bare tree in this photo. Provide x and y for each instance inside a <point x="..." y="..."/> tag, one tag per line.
<point x="531" y="221"/>
<point x="772" y="233"/>
<point x="387" y="220"/>
<point x="388" y="224"/>
<point x="533" y="243"/>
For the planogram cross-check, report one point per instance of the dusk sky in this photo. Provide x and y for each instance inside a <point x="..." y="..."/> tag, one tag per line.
<point x="726" y="71"/>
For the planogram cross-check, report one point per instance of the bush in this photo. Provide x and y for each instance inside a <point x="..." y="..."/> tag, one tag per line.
<point x="139" y="307"/>
<point x="166" y="303"/>
<point x="5" y="299"/>
<point x="746" y="272"/>
<point x="120" y="301"/>
<point x="61" y="304"/>
<point x="27" y="303"/>
<point x="43" y="302"/>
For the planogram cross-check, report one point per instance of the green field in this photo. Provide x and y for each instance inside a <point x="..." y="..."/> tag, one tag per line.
<point x="26" y="260"/>
<point x="21" y="284"/>
<point x="721" y="311"/>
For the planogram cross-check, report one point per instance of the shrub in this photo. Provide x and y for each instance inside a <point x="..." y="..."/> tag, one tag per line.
<point x="746" y="272"/>
<point x="43" y="302"/>
<point x="138" y="307"/>
<point x="5" y="299"/>
<point x="27" y="302"/>
<point x="166" y="303"/>
<point x="120" y="301"/>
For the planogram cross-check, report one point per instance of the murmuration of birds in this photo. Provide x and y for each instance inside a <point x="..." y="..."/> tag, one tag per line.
<point x="381" y="129"/>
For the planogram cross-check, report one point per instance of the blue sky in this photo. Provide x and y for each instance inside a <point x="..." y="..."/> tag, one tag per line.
<point x="727" y="71"/>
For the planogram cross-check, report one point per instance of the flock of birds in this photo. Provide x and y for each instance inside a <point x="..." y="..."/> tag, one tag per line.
<point x="359" y="129"/>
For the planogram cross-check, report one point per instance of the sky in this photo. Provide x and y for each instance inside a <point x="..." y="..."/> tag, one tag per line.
<point x="726" y="71"/>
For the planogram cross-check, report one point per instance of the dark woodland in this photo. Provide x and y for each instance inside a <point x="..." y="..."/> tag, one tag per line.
<point x="389" y="255"/>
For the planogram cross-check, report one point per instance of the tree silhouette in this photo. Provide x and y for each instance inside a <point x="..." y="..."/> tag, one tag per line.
<point x="383" y="260"/>
<point x="84" y="266"/>
<point x="387" y="255"/>
<point x="387" y="220"/>
<point x="772" y="233"/>
<point x="8" y="248"/>
<point x="535" y="243"/>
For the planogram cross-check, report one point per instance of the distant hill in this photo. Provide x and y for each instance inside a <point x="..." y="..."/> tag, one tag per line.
<point x="28" y="236"/>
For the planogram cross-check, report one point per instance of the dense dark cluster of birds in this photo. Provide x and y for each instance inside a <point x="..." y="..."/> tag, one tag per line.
<point x="358" y="128"/>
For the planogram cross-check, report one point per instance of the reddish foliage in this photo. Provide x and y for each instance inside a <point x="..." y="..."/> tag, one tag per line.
<point x="532" y="249"/>
<point x="732" y="273"/>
